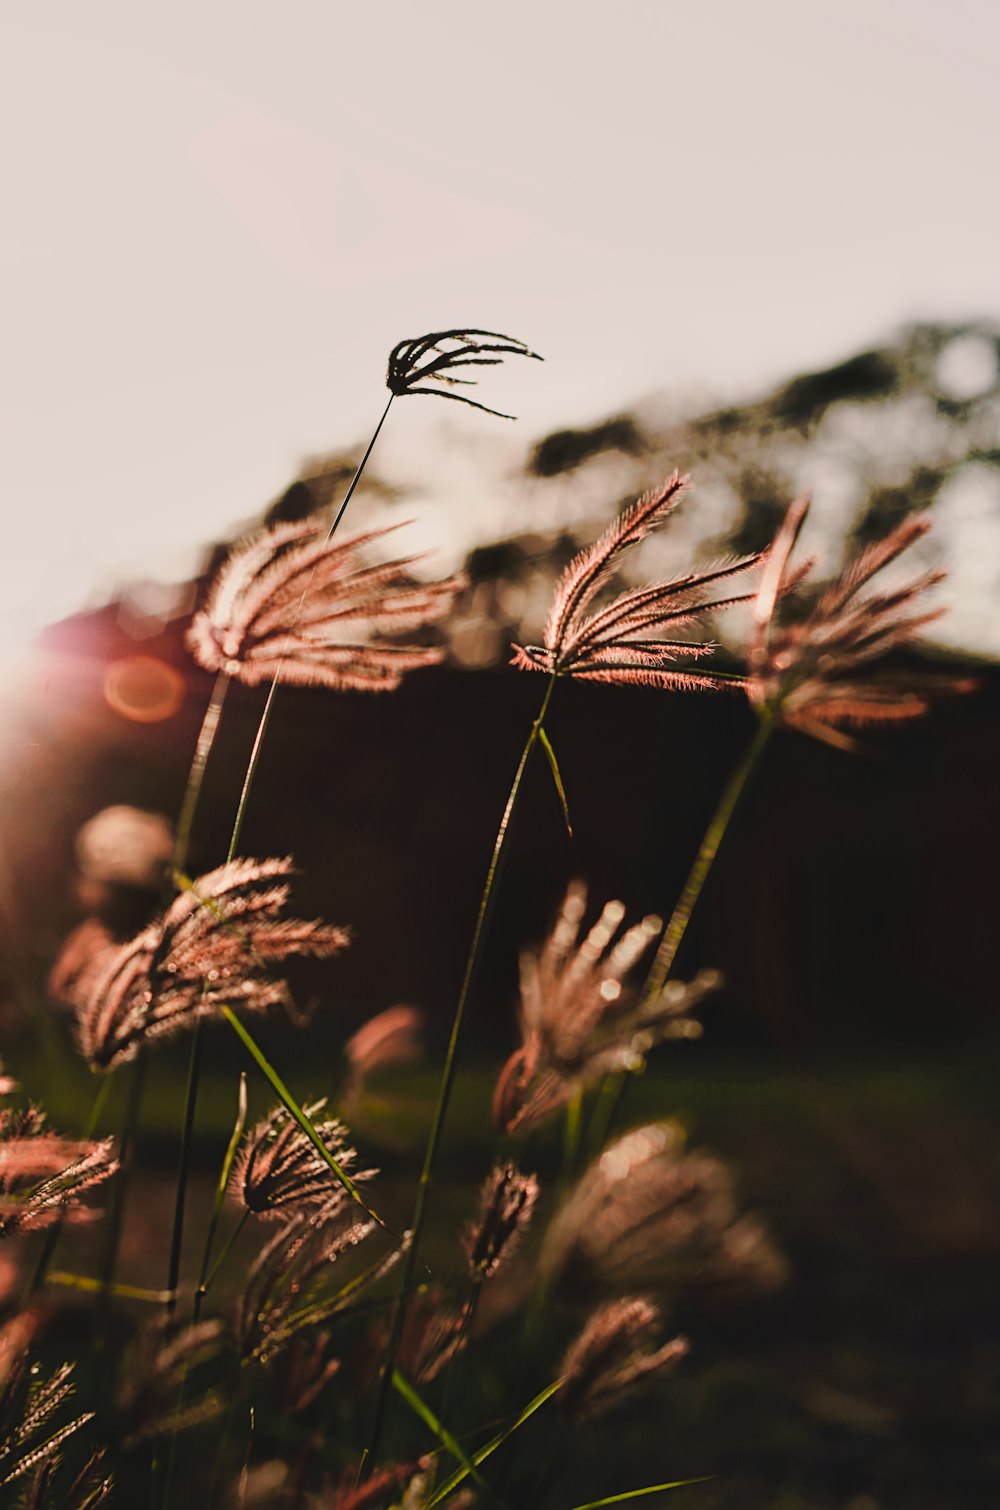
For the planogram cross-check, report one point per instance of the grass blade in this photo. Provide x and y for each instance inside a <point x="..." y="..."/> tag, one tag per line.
<point x="634" y="1494"/>
<point x="220" y="1192"/>
<point x="422" y="1409"/>
<point x="484" y="1452"/>
<point x="556" y="777"/>
<point x="295" y="1111"/>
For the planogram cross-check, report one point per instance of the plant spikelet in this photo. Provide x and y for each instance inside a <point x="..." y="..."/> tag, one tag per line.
<point x="43" y="1176"/>
<point x="579" y="1018"/>
<point x="292" y="600"/>
<point x="426" y="365"/>
<point x="631" y="641"/>
<point x="612" y="1355"/>
<point x="646" y="1215"/>
<point x="278" y="1168"/>
<point x="506" y="1208"/>
<point x="212" y="948"/>
<point x="814" y="672"/>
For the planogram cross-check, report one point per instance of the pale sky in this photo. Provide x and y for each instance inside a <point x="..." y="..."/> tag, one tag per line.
<point x="219" y="217"/>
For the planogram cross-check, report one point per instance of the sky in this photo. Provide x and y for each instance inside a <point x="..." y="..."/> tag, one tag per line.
<point x="220" y="216"/>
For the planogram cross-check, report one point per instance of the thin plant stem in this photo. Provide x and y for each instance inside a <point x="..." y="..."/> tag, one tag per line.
<point x="486" y="904"/>
<point x="609" y="1101"/>
<point x="202" y="751"/>
<point x="54" y="1233"/>
<point x="196" y="775"/>
<point x="673" y="934"/>
<point x="265" y="716"/>
<point x="116" y="1214"/>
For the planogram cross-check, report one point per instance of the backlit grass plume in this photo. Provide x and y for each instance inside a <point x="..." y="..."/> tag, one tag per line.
<point x="579" y="1018"/>
<point x="814" y="672"/>
<point x="212" y="948"/>
<point x="613" y="1354"/>
<point x="292" y="600"/>
<point x="647" y="1215"/>
<point x="44" y="1176"/>
<point x="631" y="640"/>
<point x="425" y="365"/>
<point x="279" y="1170"/>
<point x="506" y="1207"/>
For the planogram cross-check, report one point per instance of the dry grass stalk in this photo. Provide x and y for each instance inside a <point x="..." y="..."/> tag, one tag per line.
<point x="508" y="1201"/>
<point x="631" y="640"/>
<point x="212" y="948"/>
<point x="43" y="1176"/>
<point x="30" y="1441"/>
<point x="426" y="365"/>
<point x="579" y="1019"/>
<point x="648" y="1216"/>
<point x="279" y="1169"/>
<point x="612" y="1355"/>
<point x="293" y="602"/>
<point x="815" y="673"/>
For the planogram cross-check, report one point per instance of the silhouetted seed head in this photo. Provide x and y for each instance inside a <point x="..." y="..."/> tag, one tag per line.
<point x="291" y="1285"/>
<point x="44" y="1176"/>
<point x="392" y="1038"/>
<point x="30" y="1440"/>
<point x="278" y="1167"/>
<point x="647" y="1215"/>
<point x="427" y="364"/>
<point x="632" y="639"/>
<point x="212" y="948"/>
<point x="292" y="598"/>
<point x="433" y="1333"/>
<point x="579" y="1018"/>
<point x="614" y="1353"/>
<point x="508" y="1201"/>
<point x="815" y="672"/>
<point x="159" y="1394"/>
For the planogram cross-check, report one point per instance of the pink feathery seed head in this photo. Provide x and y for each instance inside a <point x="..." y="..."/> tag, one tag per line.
<point x="212" y="948"/>
<point x="294" y="600"/>
<point x="279" y="1169"/>
<point x="43" y="1176"/>
<point x="426" y="365"/>
<point x="508" y="1201"/>
<point x="612" y="1355"/>
<point x="814" y="672"/>
<point x="632" y="639"/>
<point x="580" y="1017"/>
<point x="390" y="1038"/>
<point x="649" y="1215"/>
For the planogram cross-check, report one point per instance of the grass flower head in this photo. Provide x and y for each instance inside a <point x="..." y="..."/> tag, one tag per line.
<point x="426" y="364"/>
<point x="213" y="947"/>
<point x="815" y="672"/>
<point x="631" y="641"/>
<point x="293" y="599"/>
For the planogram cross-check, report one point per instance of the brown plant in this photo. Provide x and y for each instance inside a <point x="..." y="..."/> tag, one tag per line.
<point x="212" y="948"/>
<point x="43" y="1176"/>
<point x="431" y="360"/>
<point x="279" y="1169"/>
<point x="647" y="1215"/>
<point x="627" y="642"/>
<point x="508" y="1201"/>
<point x="579" y="1020"/>
<point x="814" y="672"/>
<point x="292" y="600"/>
<point x="612" y="1355"/>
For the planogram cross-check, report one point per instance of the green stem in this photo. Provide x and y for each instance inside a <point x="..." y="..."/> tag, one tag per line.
<point x="613" y="1090"/>
<point x="486" y="903"/>
<point x="265" y="716"/>
<point x="126" y="1155"/>
<point x="196" y="775"/>
<point x="673" y="934"/>
<point x="202" y="751"/>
